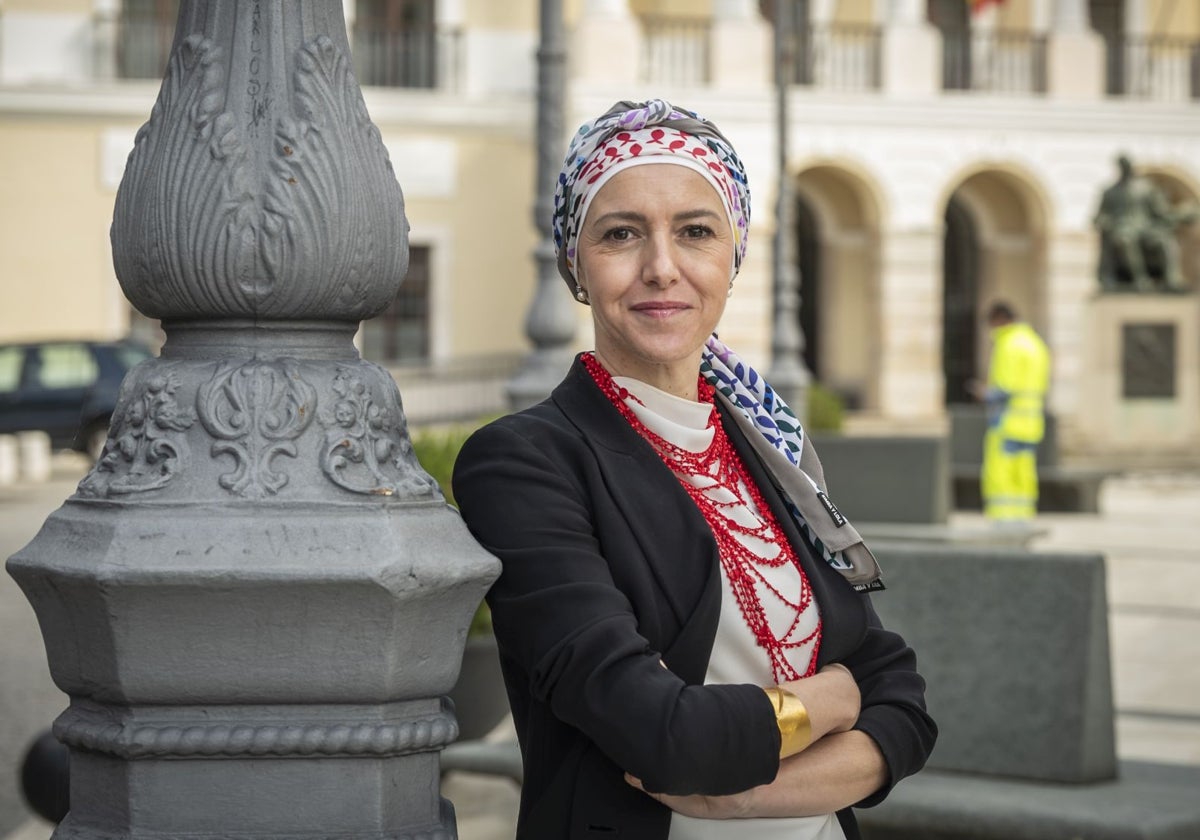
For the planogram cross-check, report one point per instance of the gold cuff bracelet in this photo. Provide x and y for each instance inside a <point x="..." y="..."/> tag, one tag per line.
<point x="795" y="729"/>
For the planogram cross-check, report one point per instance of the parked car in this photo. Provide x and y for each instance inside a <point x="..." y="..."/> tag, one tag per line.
<point x="65" y="388"/>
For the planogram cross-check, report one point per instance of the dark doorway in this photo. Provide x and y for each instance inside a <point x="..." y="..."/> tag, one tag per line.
<point x="808" y="257"/>
<point x="953" y="19"/>
<point x="1108" y="19"/>
<point x="960" y="302"/>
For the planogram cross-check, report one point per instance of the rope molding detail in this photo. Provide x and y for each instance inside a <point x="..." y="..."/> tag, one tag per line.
<point x="81" y="731"/>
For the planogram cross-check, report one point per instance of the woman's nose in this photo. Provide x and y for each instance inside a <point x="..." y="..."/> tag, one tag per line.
<point x="661" y="267"/>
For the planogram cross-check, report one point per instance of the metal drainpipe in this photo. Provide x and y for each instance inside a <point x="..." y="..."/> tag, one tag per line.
<point x="257" y="598"/>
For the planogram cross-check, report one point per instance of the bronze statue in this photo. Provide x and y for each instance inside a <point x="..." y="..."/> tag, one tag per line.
<point x="1138" y="249"/>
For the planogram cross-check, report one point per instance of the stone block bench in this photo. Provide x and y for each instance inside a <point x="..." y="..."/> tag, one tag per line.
<point x="1062" y="488"/>
<point x="1014" y="646"/>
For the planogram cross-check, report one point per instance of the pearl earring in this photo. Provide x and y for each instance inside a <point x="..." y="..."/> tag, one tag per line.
<point x="581" y="294"/>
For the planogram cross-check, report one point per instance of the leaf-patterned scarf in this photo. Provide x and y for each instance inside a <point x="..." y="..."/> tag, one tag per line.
<point x="746" y="391"/>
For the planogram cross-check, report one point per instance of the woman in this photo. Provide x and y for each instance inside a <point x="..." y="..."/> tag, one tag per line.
<point x="681" y="616"/>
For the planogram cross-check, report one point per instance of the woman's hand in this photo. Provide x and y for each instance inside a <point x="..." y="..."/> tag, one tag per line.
<point x="731" y="807"/>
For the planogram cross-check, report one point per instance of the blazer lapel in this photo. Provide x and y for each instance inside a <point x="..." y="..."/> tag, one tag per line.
<point x="670" y="530"/>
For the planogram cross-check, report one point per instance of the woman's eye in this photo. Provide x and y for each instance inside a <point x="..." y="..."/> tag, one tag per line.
<point x="697" y="231"/>
<point x="620" y="234"/>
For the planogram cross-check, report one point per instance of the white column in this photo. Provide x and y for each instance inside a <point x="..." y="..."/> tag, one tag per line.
<point x="820" y="22"/>
<point x="1070" y="16"/>
<point x="1071" y="274"/>
<point x="606" y="45"/>
<point x="911" y="381"/>
<point x="450" y="13"/>
<point x="906" y="13"/>
<point x="740" y="46"/>
<point x="735" y="10"/>
<point x="104" y="38"/>
<point x="912" y="51"/>
<point x="983" y="47"/>
<point x="1074" y="54"/>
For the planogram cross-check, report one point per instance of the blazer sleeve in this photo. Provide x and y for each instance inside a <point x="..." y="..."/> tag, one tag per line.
<point x="893" y="703"/>
<point x="558" y="614"/>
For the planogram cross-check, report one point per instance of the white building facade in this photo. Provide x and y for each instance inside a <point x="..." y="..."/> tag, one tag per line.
<point x="941" y="160"/>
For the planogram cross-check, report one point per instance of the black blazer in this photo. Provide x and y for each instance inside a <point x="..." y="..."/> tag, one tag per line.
<point x="608" y="567"/>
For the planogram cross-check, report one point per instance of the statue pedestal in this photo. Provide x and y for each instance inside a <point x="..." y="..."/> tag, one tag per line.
<point x="1141" y="374"/>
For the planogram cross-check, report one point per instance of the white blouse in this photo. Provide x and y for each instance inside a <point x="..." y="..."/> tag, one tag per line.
<point x="736" y="656"/>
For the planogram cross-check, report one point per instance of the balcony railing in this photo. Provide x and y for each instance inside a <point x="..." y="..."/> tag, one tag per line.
<point x="1154" y="67"/>
<point x="675" y="51"/>
<point x="1000" y="61"/>
<point x="455" y="390"/>
<point x="130" y="46"/>
<point x="428" y="57"/>
<point x="838" y="57"/>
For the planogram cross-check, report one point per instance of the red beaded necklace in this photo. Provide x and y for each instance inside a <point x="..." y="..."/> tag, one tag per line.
<point x="720" y="465"/>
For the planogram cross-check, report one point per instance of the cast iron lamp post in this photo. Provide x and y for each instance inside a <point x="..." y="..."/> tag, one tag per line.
<point x="257" y="598"/>
<point x="788" y="375"/>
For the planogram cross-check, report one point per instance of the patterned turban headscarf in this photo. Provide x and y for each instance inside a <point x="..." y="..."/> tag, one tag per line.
<point x="630" y="133"/>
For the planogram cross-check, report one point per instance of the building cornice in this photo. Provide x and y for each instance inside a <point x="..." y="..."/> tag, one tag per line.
<point x="412" y="109"/>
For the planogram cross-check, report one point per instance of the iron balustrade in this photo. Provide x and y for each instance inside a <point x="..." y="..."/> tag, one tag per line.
<point x="454" y="390"/>
<point x="999" y="61"/>
<point x="132" y="44"/>
<point x="425" y="57"/>
<point x="675" y="50"/>
<point x="1161" y="67"/>
<point x="838" y="56"/>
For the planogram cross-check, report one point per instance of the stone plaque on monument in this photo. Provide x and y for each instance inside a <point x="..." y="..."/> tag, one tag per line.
<point x="1148" y="361"/>
<point x="1140" y="378"/>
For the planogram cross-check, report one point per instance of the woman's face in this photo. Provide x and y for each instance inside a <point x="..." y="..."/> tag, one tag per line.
<point x="655" y="256"/>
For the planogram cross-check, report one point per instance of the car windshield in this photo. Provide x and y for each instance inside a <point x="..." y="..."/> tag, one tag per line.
<point x="130" y="354"/>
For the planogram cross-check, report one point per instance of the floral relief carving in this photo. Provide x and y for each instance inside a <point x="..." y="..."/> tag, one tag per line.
<point x="255" y="411"/>
<point x="367" y="449"/>
<point x="146" y="447"/>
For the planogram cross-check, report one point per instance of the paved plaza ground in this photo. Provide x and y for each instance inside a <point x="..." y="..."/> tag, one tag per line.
<point x="1148" y="527"/>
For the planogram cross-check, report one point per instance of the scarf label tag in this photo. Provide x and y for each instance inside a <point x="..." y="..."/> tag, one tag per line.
<point x="832" y="510"/>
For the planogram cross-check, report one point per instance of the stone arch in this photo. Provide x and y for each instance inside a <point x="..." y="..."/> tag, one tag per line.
<point x="839" y="208"/>
<point x="996" y="220"/>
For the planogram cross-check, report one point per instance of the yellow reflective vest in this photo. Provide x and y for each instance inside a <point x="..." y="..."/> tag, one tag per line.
<point x="1017" y="382"/>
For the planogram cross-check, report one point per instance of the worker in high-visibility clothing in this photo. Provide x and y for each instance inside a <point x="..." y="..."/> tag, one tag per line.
<point x="1018" y="376"/>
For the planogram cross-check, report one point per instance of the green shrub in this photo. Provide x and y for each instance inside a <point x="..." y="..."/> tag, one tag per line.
<point x="437" y="450"/>
<point x="825" y="409"/>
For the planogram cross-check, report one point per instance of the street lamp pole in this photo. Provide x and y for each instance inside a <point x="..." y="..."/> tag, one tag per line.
<point x="788" y="375"/>
<point x="550" y="322"/>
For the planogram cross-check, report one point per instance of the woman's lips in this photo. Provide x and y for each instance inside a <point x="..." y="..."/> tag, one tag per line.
<point x="659" y="308"/>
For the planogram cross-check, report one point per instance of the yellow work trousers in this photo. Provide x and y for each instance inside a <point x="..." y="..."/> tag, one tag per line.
<point x="1009" y="480"/>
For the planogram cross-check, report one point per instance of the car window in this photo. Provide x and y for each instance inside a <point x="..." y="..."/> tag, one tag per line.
<point x="10" y="368"/>
<point x="129" y="355"/>
<point x="64" y="366"/>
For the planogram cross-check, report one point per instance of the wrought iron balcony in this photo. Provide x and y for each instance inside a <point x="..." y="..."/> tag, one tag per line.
<point x="999" y="61"/>
<point x="424" y="57"/>
<point x="675" y="50"/>
<point x="838" y="56"/>
<point x="1158" y="67"/>
<point x="136" y="46"/>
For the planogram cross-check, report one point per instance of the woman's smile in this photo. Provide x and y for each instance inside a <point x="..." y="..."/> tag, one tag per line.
<point x="655" y="257"/>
